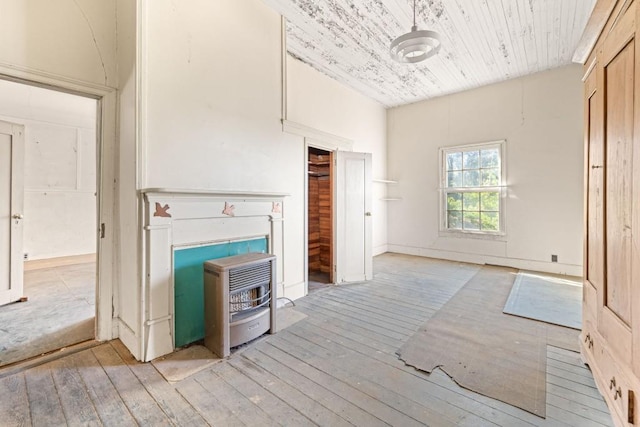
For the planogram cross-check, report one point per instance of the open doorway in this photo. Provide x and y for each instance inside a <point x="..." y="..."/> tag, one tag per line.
<point x="57" y="305"/>
<point x="320" y="218"/>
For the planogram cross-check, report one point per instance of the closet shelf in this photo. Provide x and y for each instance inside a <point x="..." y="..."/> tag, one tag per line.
<point x="385" y="181"/>
<point x="389" y="199"/>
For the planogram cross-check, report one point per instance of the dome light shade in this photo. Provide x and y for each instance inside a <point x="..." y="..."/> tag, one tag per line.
<point x="416" y="45"/>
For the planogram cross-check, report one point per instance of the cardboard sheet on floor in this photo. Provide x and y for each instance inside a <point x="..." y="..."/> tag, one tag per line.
<point x="547" y="297"/>
<point x="483" y="349"/>
<point x="185" y="362"/>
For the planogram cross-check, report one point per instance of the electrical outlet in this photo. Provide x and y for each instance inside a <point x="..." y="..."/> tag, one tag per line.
<point x="554" y="258"/>
<point x="26" y="256"/>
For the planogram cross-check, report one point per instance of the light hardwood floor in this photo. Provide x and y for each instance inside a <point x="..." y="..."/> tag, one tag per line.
<point x="335" y="367"/>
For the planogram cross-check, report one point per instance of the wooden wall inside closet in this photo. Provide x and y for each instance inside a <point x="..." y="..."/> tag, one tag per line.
<point x="320" y="218"/>
<point x="611" y="294"/>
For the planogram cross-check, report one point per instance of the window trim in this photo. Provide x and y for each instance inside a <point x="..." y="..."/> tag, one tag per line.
<point x="502" y="189"/>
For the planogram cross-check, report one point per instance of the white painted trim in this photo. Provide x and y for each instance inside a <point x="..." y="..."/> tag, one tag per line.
<point x="106" y="150"/>
<point x="190" y="193"/>
<point x="318" y="138"/>
<point x="293" y="292"/>
<point x="129" y="338"/>
<point x="37" y="264"/>
<point x="502" y="188"/>
<point x="105" y="172"/>
<point x="283" y="57"/>
<point x="53" y="81"/>
<point x="160" y="235"/>
<point x="141" y="91"/>
<point x="379" y="250"/>
<point x="523" y="264"/>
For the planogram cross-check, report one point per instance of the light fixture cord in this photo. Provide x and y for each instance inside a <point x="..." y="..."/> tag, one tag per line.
<point x="414" y="13"/>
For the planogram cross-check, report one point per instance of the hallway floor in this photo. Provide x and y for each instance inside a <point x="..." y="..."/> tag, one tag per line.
<point x="60" y="311"/>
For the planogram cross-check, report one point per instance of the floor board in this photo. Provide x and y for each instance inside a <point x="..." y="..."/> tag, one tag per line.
<point x="336" y="367"/>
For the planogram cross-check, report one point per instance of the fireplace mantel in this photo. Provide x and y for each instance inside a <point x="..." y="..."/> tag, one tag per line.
<point x="181" y="218"/>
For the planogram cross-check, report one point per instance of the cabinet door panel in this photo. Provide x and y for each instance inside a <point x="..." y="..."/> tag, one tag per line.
<point x="594" y="116"/>
<point x="619" y="81"/>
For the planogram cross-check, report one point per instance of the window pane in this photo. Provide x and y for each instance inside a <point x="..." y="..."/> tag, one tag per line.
<point x="471" y="221"/>
<point x="491" y="177"/>
<point x="454" y="220"/>
<point x="454" y="179"/>
<point x="471" y="178"/>
<point x="490" y="202"/>
<point x="490" y="158"/>
<point x="471" y="202"/>
<point x="454" y="161"/>
<point x="470" y="159"/>
<point x="454" y="201"/>
<point x="490" y="221"/>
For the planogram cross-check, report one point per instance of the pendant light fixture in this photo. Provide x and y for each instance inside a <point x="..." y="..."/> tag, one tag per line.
<point x="416" y="45"/>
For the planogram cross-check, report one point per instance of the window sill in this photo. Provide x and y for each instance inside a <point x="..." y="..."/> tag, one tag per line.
<point x="473" y="235"/>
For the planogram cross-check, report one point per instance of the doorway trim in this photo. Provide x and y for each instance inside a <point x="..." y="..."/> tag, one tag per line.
<point x="106" y="114"/>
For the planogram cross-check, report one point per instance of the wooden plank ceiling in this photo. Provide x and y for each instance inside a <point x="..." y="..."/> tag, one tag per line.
<point x="483" y="41"/>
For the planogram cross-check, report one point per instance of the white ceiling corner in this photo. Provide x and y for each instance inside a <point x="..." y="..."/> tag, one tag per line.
<point x="483" y="42"/>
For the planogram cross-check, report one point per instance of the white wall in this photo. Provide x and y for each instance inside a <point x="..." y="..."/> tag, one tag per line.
<point x="540" y="116"/>
<point x="321" y="103"/>
<point x="59" y="169"/>
<point x="212" y="114"/>
<point x="127" y="232"/>
<point x="74" y="39"/>
<point x="211" y="120"/>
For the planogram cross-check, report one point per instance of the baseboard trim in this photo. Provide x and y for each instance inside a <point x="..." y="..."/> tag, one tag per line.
<point x="295" y="291"/>
<point x="522" y="264"/>
<point x="378" y="250"/>
<point x="38" y="264"/>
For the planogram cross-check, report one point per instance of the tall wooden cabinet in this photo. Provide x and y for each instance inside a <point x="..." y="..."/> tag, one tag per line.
<point x="611" y="301"/>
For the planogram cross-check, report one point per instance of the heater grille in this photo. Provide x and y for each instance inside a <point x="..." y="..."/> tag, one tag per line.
<point x="249" y="276"/>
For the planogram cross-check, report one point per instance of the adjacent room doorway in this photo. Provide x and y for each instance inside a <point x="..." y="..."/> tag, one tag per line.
<point x="320" y="218"/>
<point x="339" y="217"/>
<point x="48" y="215"/>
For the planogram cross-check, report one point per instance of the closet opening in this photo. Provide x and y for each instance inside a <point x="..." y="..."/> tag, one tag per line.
<point x="320" y="218"/>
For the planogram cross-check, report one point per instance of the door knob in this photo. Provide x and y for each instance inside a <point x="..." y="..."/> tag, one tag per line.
<point x="367" y="214"/>
<point x="17" y="216"/>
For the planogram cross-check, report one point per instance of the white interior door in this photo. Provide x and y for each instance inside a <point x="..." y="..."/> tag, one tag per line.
<point x="352" y="189"/>
<point x="11" y="205"/>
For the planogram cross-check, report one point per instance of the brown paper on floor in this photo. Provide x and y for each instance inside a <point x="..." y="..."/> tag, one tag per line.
<point x="485" y="350"/>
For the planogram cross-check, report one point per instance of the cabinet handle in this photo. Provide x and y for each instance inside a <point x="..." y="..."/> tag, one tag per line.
<point x="617" y="394"/>
<point x="589" y="340"/>
<point x="597" y="167"/>
<point x="612" y="383"/>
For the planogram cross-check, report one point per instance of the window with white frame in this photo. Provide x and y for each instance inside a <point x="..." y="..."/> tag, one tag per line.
<point x="472" y="178"/>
